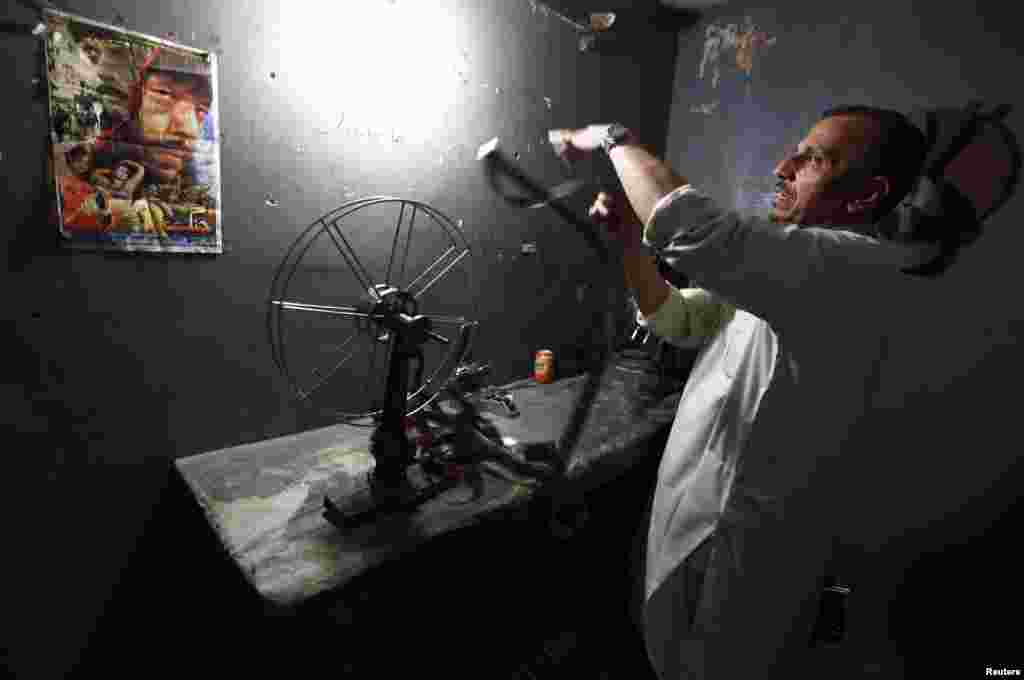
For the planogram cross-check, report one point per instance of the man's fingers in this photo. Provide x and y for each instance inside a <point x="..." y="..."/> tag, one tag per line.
<point x="604" y="204"/>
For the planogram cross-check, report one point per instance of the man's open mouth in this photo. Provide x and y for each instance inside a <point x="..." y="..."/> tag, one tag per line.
<point x="783" y="198"/>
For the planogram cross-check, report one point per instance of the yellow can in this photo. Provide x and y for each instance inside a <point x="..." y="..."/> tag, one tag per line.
<point x="544" y="366"/>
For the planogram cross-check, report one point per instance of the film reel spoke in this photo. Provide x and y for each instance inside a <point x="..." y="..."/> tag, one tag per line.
<point x="349" y="255"/>
<point x="394" y="243"/>
<point x="324" y="377"/>
<point x="439" y="275"/>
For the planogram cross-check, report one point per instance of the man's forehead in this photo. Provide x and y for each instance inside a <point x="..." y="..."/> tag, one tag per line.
<point x="817" y="147"/>
<point x="186" y="82"/>
<point x="839" y="136"/>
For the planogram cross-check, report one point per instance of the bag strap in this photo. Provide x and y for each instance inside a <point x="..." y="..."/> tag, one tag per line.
<point x="948" y="132"/>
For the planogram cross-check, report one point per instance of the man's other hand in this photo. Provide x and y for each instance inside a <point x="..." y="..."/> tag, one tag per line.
<point x="615" y="213"/>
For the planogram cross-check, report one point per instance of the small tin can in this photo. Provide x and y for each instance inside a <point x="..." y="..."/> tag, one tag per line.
<point x="544" y="366"/>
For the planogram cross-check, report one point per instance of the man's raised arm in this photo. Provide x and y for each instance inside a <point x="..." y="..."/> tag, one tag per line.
<point x="645" y="178"/>
<point x="750" y="263"/>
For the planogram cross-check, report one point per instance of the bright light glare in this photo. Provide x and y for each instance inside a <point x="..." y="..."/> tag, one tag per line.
<point x="384" y="66"/>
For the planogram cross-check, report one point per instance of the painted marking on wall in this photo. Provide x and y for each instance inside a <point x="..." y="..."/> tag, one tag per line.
<point x="743" y="42"/>
<point x="706" y="109"/>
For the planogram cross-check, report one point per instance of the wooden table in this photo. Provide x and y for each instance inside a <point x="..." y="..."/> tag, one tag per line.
<point x="265" y="500"/>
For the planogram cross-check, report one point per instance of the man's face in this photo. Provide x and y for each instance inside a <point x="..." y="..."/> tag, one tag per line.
<point x="809" y="193"/>
<point x="92" y="49"/>
<point x="81" y="163"/>
<point x="174" y="106"/>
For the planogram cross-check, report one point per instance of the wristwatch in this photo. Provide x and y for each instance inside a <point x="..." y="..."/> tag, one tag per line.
<point x="616" y="134"/>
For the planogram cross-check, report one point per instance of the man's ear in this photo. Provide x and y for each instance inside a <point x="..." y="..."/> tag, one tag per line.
<point x="882" y="187"/>
<point x="878" y="190"/>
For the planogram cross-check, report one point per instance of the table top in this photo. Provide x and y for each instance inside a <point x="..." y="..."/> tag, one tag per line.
<point x="264" y="500"/>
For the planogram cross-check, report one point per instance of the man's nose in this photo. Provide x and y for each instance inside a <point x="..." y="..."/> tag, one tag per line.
<point x="784" y="169"/>
<point x="185" y="120"/>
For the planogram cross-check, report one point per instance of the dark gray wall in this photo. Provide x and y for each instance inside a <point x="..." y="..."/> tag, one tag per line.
<point x="954" y="440"/>
<point x="122" y="364"/>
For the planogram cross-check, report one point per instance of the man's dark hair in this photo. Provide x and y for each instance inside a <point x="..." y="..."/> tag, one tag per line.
<point x="898" y="152"/>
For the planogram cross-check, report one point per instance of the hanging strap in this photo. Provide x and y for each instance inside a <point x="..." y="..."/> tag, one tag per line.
<point x="935" y="210"/>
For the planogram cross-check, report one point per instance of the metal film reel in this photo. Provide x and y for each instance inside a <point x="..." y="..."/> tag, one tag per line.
<point x="323" y="318"/>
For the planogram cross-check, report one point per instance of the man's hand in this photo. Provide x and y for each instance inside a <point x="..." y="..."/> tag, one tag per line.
<point x="573" y="145"/>
<point x="648" y="287"/>
<point x="619" y="219"/>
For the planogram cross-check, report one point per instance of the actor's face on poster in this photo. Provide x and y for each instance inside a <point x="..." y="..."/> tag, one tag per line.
<point x="171" y="119"/>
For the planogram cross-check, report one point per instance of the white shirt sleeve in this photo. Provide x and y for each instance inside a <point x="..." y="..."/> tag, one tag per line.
<point x="774" y="271"/>
<point x="688" y="317"/>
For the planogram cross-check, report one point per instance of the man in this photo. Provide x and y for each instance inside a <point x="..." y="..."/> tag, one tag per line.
<point x="174" y="109"/>
<point x="169" y="108"/>
<point x="747" y="509"/>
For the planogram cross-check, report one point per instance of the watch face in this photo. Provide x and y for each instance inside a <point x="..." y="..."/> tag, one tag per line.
<point x="612" y="136"/>
<point x="617" y="134"/>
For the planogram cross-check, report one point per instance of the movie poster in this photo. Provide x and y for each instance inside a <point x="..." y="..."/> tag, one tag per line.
<point x="135" y="143"/>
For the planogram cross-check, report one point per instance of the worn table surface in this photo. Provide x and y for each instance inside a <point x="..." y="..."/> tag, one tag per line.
<point x="265" y="500"/>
